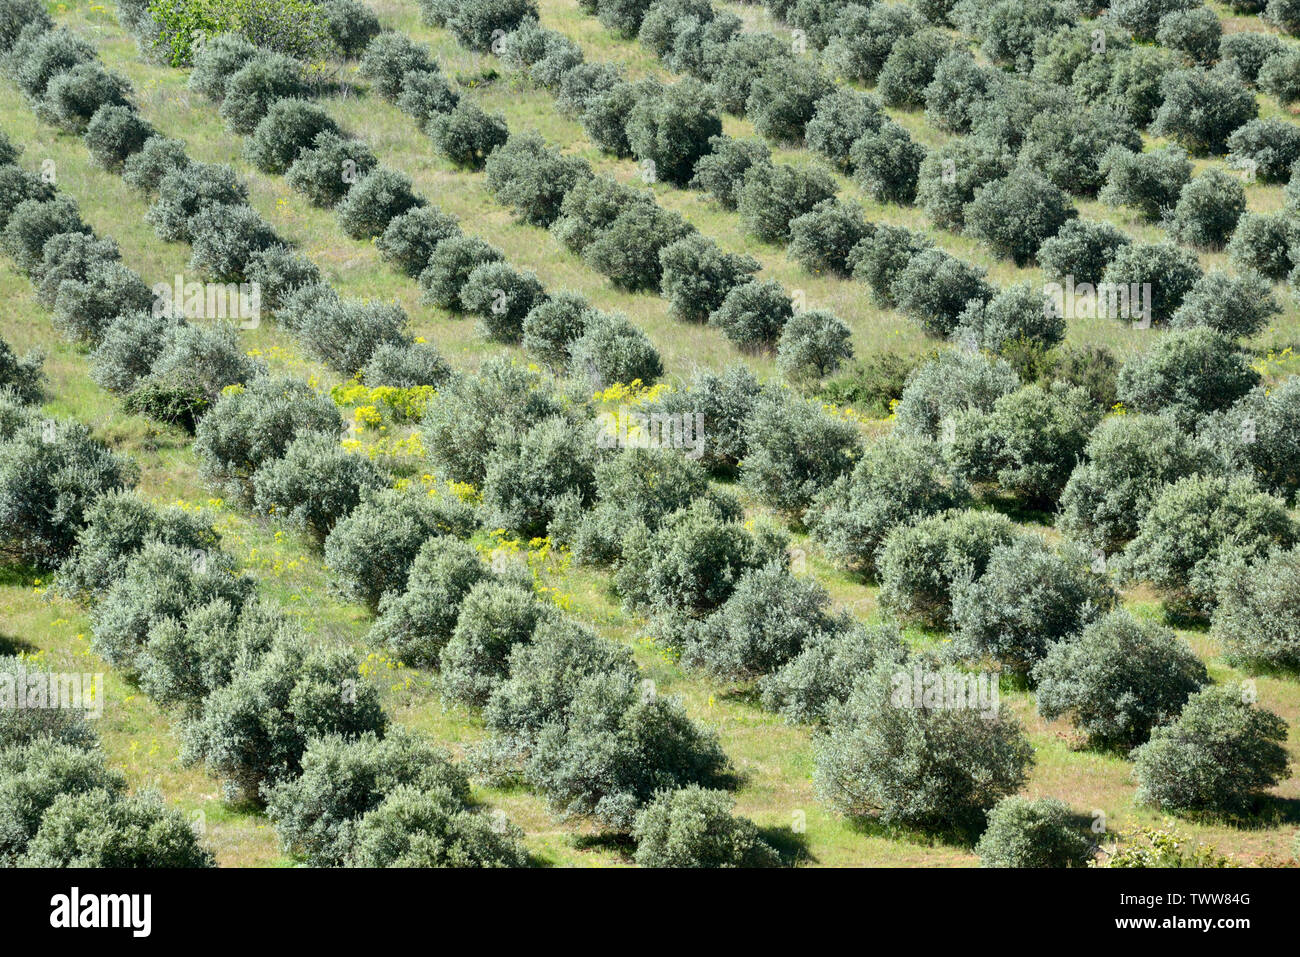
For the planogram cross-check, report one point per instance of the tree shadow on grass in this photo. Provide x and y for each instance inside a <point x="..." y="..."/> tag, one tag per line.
<point x="790" y="846"/>
<point x="962" y="834"/>
<point x="11" y="645"/>
<point x="21" y="576"/>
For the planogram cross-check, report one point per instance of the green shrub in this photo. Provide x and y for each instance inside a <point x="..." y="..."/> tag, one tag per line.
<point x="628" y="250"/>
<point x="413" y="828"/>
<point x="771" y="197"/>
<point x="289" y="126"/>
<point x="1118" y="679"/>
<point x="721" y="172"/>
<point x="389" y="57"/>
<point x="1024" y="833"/>
<point x="794" y="449"/>
<point x="697" y="276"/>
<point x="1188" y="374"/>
<point x="494" y="618"/>
<point x="1015" y="215"/>
<point x="1238" y="306"/>
<point x="811" y="685"/>
<point x="314" y="485"/>
<point x="501" y="296"/>
<point x="813" y="344"/>
<point x="186" y="191"/>
<point x="887" y="163"/>
<point x="1218" y="757"/>
<point x="254" y="89"/>
<point x="466" y="135"/>
<point x="822" y="239"/>
<point x="328" y="170"/>
<point x="1170" y="271"/>
<point x="951" y="382"/>
<point x="935" y="289"/>
<point x="1202" y="108"/>
<point x="532" y="179"/>
<point x="1262" y="242"/>
<point x="695" y="827"/>
<point x="1256" y="615"/>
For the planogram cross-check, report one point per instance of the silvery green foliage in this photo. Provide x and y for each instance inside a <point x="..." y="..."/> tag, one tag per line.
<point x="783" y="97"/>
<point x="935" y="768"/>
<point x="1269" y="147"/>
<point x="1248" y="51"/>
<point x="185" y="191"/>
<point x="476" y="25"/>
<point x="942" y="388"/>
<point x="919" y="564"/>
<point x="894" y="481"/>
<point x="1258" y="435"/>
<point x="627" y="252"/>
<point x="771" y="196"/>
<point x="1257" y="618"/>
<point x="326" y="171"/>
<point x="887" y="163"/>
<point x="811" y="685"/>
<point x="408" y="241"/>
<point x="314" y="485"/>
<point x="1170" y="271"/>
<point x="544" y="676"/>
<point x="1196" y="525"/>
<point x="1066" y="144"/>
<point x="316" y="814"/>
<point x="910" y="66"/>
<point x="501" y="296"/>
<point x="721" y="172"/>
<point x="840" y="119"/>
<point x="794" y="449"/>
<point x="616" y="748"/>
<point x="158" y="156"/>
<point x="697" y="276"/>
<point x="205" y="358"/>
<point x="466" y="135"/>
<point x="1028" y="442"/>
<point x="289" y="126"/>
<point x="449" y="268"/>
<point x="604" y="119"/>
<point x="391" y="56"/>
<point x="1262" y="242"/>
<point x="474" y="411"/>
<point x="33" y="223"/>
<point x="160" y="580"/>
<point x="70" y="256"/>
<point x="375" y="201"/>
<point x="1208" y="209"/>
<point x="1142" y="17"/>
<point x="1117" y="679"/>
<point x="495" y="616"/>
<point x="696" y="827"/>
<point x="21" y="377"/>
<point x="726" y="402"/>
<point x="346" y="333"/>
<point x="19" y="186"/>
<point x="17" y="16"/>
<point x="1219" y="757"/>
<point x="1186" y="375"/>
<point x="822" y="239"/>
<point x="254" y="731"/>
<point x="351" y="25"/>
<point x="950" y="175"/>
<point x="406" y="366"/>
<point x="531" y="178"/>
<point x="935" y="289"/>
<point x="1028" y="597"/>
<point x="690" y="565"/>
<point x="72" y="98"/>
<point x="866" y="35"/>
<point x="416" y="623"/>
<point x="226" y="238"/>
<point x="591" y="207"/>
<point x="85" y="307"/>
<point x="1025" y="833"/>
<point x="1015" y="315"/>
<point x="1280" y="75"/>
<point x="753" y="313"/>
<point x="614" y="349"/>
<point x="959" y="86"/>
<point x="1239" y="306"/>
<point x="217" y="60"/>
<point x="425" y="94"/>
<point x="553" y="325"/>
<point x="881" y="257"/>
<point x="1128" y="461"/>
<point x="583" y="83"/>
<point x="813" y="345"/>
<point x="252" y="424"/>
<point x="1150" y="182"/>
<point x="278" y="272"/>
<point x="1195" y="33"/>
<point x="529" y="471"/>
<point x="188" y="656"/>
<point x="50" y="474"/>
<point x="761" y="626"/>
<point x="414" y="828"/>
<point x="99" y="829"/>
<point x="251" y="91"/>
<point x="39" y="55"/>
<point x="43" y="727"/>
<point x="34" y="773"/>
<point x="118" y="525"/>
<point x="115" y="134"/>
<point x="1201" y="108"/>
<point x="1014" y="215"/>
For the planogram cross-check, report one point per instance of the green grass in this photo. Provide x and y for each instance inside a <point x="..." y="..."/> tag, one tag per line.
<point x="774" y="760"/>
